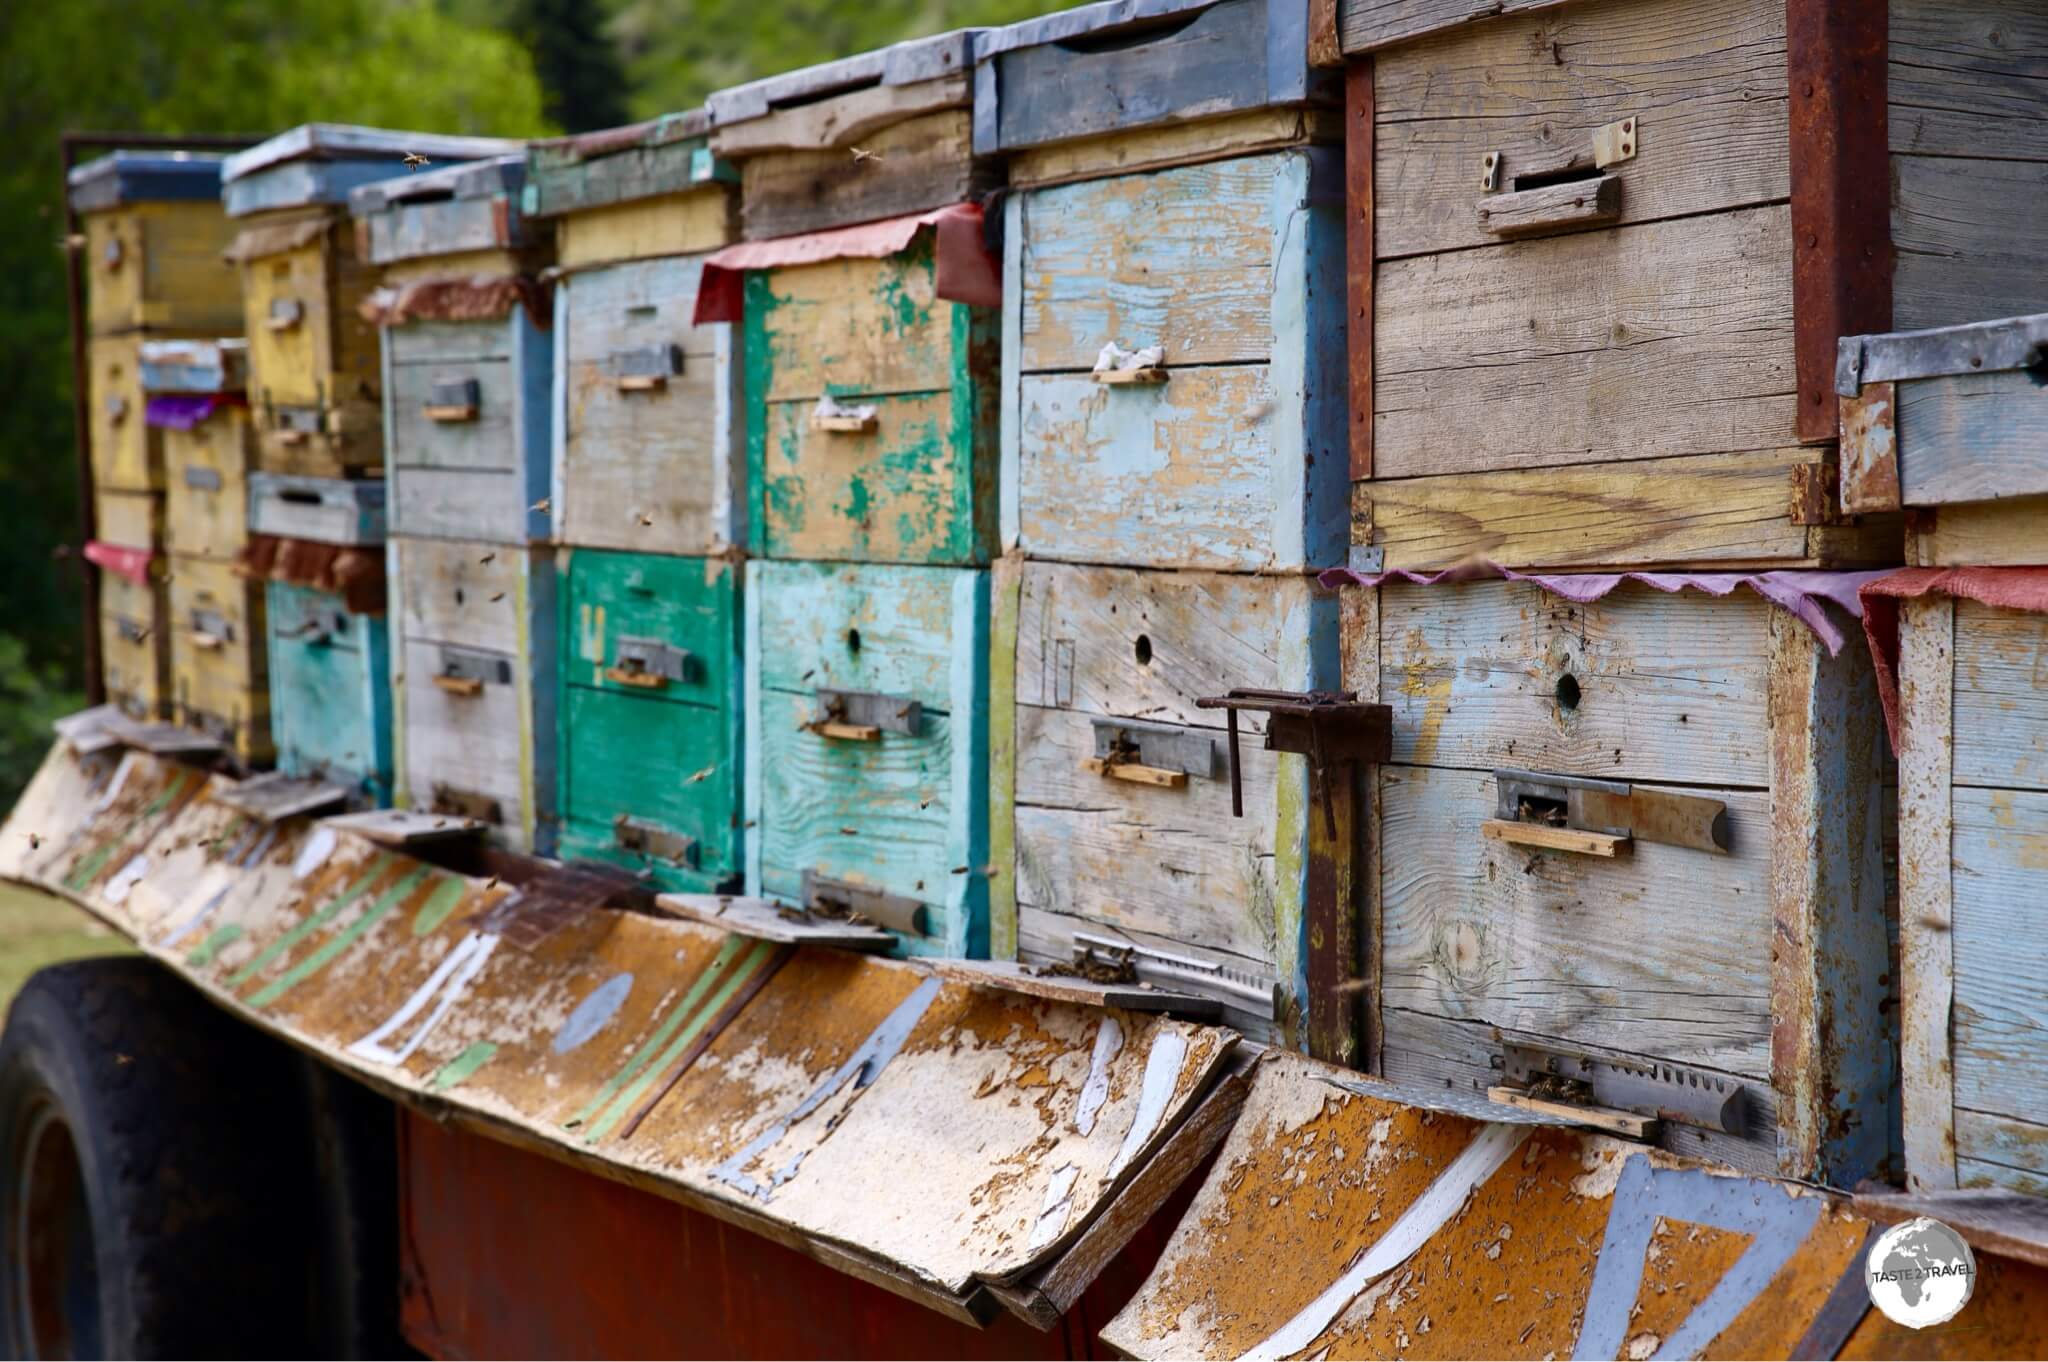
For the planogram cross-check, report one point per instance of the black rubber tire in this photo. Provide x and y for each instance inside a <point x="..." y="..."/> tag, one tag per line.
<point x="190" y="1140"/>
<point x="354" y="1148"/>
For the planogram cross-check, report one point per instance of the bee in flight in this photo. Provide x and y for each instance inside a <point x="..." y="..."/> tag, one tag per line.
<point x="413" y="160"/>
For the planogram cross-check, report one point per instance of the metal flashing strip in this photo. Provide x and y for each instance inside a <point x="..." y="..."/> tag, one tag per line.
<point x="1977" y="347"/>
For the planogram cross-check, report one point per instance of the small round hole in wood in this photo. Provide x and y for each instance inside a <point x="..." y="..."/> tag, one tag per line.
<point x="1567" y="692"/>
<point x="853" y="640"/>
<point x="1143" y="649"/>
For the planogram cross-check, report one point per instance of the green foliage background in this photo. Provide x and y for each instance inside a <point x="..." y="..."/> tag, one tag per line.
<point x="513" y="68"/>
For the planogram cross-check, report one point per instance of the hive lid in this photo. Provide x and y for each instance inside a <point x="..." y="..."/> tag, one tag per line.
<point x="904" y="63"/>
<point x="462" y="180"/>
<point x="144" y="177"/>
<point x="344" y="142"/>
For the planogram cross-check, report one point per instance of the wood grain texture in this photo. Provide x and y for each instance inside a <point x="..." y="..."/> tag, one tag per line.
<point x="1006" y="585"/>
<point x="923" y="162"/>
<point x="487" y="478"/>
<point x="220" y="663"/>
<point x="1960" y="226"/>
<point x="127" y="454"/>
<point x="566" y="181"/>
<point x="1992" y="534"/>
<point x="1972" y="437"/>
<point x="1365" y="25"/>
<point x="662" y="763"/>
<point x="840" y="121"/>
<point x="467" y="742"/>
<point x="131" y="519"/>
<point x="135" y="645"/>
<point x="460" y="593"/>
<point x="1967" y="76"/>
<point x="857" y="628"/>
<point x="1707" y="510"/>
<point x="2007" y="1151"/>
<point x="687" y="603"/>
<point x="2001" y="1018"/>
<point x="671" y="224"/>
<point x="206" y="485"/>
<point x="2000" y="730"/>
<point x="1174" y="144"/>
<point x="1571" y="946"/>
<point x="851" y="326"/>
<point x="158" y="265"/>
<point x="1927" y="673"/>
<point x="1661" y="339"/>
<point x="1669" y="687"/>
<point x="1704" y="80"/>
<point x="1361" y="250"/>
<point x="330" y="694"/>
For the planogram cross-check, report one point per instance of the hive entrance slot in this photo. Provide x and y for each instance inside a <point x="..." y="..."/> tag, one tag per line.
<point x="1140" y="34"/>
<point x="1543" y="179"/>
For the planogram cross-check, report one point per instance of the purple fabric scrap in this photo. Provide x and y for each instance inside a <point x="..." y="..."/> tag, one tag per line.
<point x="1799" y="592"/>
<point x="180" y="411"/>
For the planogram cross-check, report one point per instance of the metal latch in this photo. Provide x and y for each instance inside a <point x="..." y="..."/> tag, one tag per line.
<point x="647" y="662"/>
<point x="1148" y="962"/>
<point x="210" y="628"/>
<point x="650" y="366"/>
<point x="131" y="631"/>
<point x="285" y="313"/>
<point x="319" y="625"/>
<point x="1667" y="1092"/>
<point x="111" y="253"/>
<point x="1330" y="728"/>
<point x="202" y="479"/>
<point x="1599" y="817"/>
<point x="1151" y="754"/>
<point x="651" y="839"/>
<point x="454" y="399"/>
<point x="838" y="898"/>
<point x="117" y="408"/>
<point x="466" y="804"/>
<point x="863" y="716"/>
<point x="466" y="671"/>
<point x="301" y="420"/>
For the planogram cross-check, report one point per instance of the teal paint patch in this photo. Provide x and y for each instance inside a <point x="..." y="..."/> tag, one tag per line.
<point x="203" y="953"/>
<point x="447" y="894"/>
<point x="463" y="1067"/>
<point x="339" y="942"/>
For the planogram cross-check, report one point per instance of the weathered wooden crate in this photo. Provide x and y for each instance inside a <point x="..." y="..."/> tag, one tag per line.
<point x="647" y="427"/>
<point x="1111" y="804"/>
<point x="220" y="662"/>
<point x="330" y="689"/>
<point x="867" y="746"/>
<point x="135" y="642"/>
<point x="1524" y="924"/>
<point x="324" y="510"/>
<point x="868" y="137"/>
<point x="453" y="220"/>
<point x="1583" y="335"/>
<point x="913" y="480"/>
<point x="650" y="716"/>
<point x="196" y="408"/>
<point x="473" y="685"/>
<point x="313" y="358"/>
<point x="1973" y="815"/>
<point x="154" y="231"/>
<point x="1951" y="424"/>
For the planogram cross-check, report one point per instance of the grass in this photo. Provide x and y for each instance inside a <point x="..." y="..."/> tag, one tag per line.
<point x="38" y="929"/>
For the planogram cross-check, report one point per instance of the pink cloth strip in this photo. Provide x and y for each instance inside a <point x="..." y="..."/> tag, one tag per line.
<point x="2016" y="588"/>
<point x="130" y="563"/>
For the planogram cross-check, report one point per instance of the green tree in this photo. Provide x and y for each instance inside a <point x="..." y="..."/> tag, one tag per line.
<point x="583" y="83"/>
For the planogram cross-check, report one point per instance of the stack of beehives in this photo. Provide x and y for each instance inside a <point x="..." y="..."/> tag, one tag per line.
<point x="153" y="235"/>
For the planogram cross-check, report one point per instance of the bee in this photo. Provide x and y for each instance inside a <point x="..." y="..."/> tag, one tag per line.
<point x="863" y="154"/>
<point x="413" y="160"/>
<point x="540" y="507"/>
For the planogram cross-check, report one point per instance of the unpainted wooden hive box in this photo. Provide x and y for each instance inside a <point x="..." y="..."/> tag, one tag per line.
<point x="220" y="658"/>
<point x="867" y="745"/>
<point x="467" y="361"/>
<point x="208" y="447"/>
<point x="647" y="426"/>
<point x="315" y="369"/>
<point x="135" y="643"/>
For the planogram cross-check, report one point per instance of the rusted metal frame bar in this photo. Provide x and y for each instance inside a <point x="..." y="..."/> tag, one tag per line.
<point x="69" y="145"/>
<point x="1836" y="52"/>
<point x="1358" y="257"/>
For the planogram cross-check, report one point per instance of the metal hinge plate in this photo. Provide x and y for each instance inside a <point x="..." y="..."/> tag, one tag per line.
<point x="896" y="912"/>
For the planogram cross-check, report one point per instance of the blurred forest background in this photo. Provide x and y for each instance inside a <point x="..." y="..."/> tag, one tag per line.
<point x="511" y="68"/>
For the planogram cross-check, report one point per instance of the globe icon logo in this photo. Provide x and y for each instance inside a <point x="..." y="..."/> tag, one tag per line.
<point x="1920" y="1273"/>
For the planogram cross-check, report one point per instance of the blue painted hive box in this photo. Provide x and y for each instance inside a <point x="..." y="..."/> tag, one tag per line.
<point x="646" y="401"/>
<point x="867" y="746"/>
<point x="1173" y="294"/>
<point x="467" y="363"/>
<point x="650" y="716"/>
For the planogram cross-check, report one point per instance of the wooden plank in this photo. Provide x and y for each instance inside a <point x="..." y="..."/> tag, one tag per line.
<point x="1543" y="837"/>
<point x="467" y="743"/>
<point x="325" y="510"/>
<point x="330" y="353"/>
<point x="843" y="120"/>
<point x="1366" y="25"/>
<point x="1034" y="981"/>
<point x="127" y="453"/>
<point x="460" y="593"/>
<point x="1661" y="339"/>
<point x="433" y="231"/>
<point x="2000" y="733"/>
<point x="886" y="630"/>
<point x="1006" y="590"/>
<point x="667" y="766"/>
<point x="1967" y="77"/>
<point x="1927" y="674"/>
<point x="276" y="795"/>
<point x="1972" y="437"/>
<point x="219" y="659"/>
<point x="768" y="921"/>
<point x="1996" y="1222"/>
<point x="403" y="827"/>
<point x="1993" y="534"/>
<point x="130" y="519"/>
<point x="1174" y="144"/>
<point x="671" y="224"/>
<point x="1573" y="947"/>
<point x="1361" y="249"/>
<point x="2000" y="1025"/>
<point x="1625" y="1124"/>
<point x="922" y="162"/>
<point x="1663" y="687"/>
<point x="852" y="327"/>
<point x="1704" y="80"/>
<point x="135" y="645"/>
<point x="206" y="485"/>
<point x="427" y="354"/>
<point x="685" y="603"/>
<point x="2013" y="1143"/>
<point x="1964" y="251"/>
<point x="453" y="503"/>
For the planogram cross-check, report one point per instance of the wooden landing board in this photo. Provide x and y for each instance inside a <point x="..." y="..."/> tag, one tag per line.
<point x="166" y="740"/>
<point x="92" y="730"/>
<point x="404" y="827"/>
<point x="2010" y="1224"/>
<point x="767" y="920"/>
<point x="275" y="796"/>
<point x="1020" y="978"/>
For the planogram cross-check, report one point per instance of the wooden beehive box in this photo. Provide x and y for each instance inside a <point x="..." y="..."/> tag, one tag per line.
<point x="1177" y="193"/>
<point x="650" y="715"/>
<point x="468" y="371"/>
<point x="135" y="644"/>
<point x="220" y="664"/>
<point x="323" y="510"/>
<point x="154" y="231"/>
<point x="1973" y="813"/>
<point x="1548" y="873"/>
<point x="473" y="685"/>
<point x="196" y="404"/>
<point x="1601" y="251"/>
<point x="867" y="746"/>
<point x="1951" y="424"/>
<point x="868" y="137"/>
<point x="330" y="681"/>
<point x="1110" y="795"/>
<point x="647" y="427"/>
<point x="314" y="361"/>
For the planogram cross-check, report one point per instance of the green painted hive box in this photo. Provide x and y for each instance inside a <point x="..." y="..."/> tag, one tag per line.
<point x="650" y="716"/>
<point x="867" y="746"/>
<point x="330" y="690"/>
<point x="871" y="414"/>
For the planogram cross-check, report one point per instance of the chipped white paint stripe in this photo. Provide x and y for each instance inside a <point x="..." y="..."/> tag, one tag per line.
<point x="125" y="879"/>
<point x="449" y="979"/>
<point x="221" y="880"/>
<point x="1059" y="1206"/>
<point x="113" y="790"/>
<point x="314" y="854"/>
<point x="1109" y="1043"/>
<point x="1427" y="1214"/>
<point x="1162" y="1076"/>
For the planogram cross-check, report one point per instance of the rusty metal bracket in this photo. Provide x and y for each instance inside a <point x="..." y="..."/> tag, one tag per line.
<point x="1330" y="728"/>
<point x="838" y="898"/>
<point x="1814" y="495"/>
<point x="1870" y="451"/>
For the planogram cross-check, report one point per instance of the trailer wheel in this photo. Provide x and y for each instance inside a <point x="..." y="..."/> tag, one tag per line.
<point x="153" y="1184"/>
